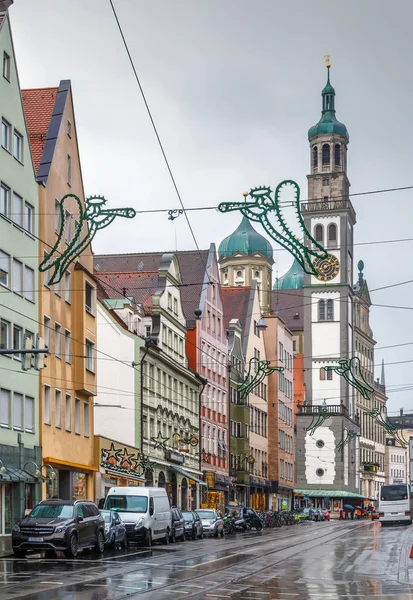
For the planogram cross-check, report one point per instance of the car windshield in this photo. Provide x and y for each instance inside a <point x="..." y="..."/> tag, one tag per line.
<point x="52" y="511"/>
<point x="127" y="503"/>
<point x="188" y="516"/>
<point x="206" y="514"/>
<point x="391" y="493"/>
<point x="106" y="515"/>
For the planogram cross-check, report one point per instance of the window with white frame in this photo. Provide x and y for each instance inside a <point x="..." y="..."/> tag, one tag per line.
<point x="6" y="66"/>
<point x="17" y="278"/>
<point x="46" y="405"/>
<point x="28" y="283"/>
<point x="57" y="215"/>
<point x="4" y="269"/>
<point x="29" y="414"/>
<point x="89" y="297"/>
<point x="77" y="416"/>
<point x="17" y="209"/>
<point x="28" y="217"/>
<point x="5" y="328"/>
<point x="68" y="346"/>
<point x="68" y="413"/>
<point x="4" y="200"/>
<point x="58" y="409"/>
<point x="18" y="146"/>
<point x="86" y="419"/>
<point x="5" y="407"/>
<point x="18" y="411"/>
<point x="58" y="340"/>
<point x="5" y="134"/>
<point x="68" y="290"/>
<point x="90" y="356"/>
<point x="46" y="331"/>
<point x="69" y="169"/>
<point x="17" y="340"/>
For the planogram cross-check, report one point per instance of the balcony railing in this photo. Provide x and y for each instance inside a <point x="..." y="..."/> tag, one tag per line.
<point x="332" y="409"/>
<point x="329" y="205"/>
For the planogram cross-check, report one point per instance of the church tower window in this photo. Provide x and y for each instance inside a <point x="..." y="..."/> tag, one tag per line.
<point x="322" y="310"/>
<point x="330" y="310"/>
<point x="315" y="157"/>
<point x="326" y="154"/>
<point x="337" y="155"/>
<point x="332" y="234"/>
<point x="319" y="234"/>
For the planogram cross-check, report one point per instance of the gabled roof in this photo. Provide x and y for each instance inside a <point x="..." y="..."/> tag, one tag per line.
<point x="236" y="303"/>
<point x="192" y="265"/>
<point x="43" y="108"/>
<point x="140" y="286"/>
<point x="289" y="305"/>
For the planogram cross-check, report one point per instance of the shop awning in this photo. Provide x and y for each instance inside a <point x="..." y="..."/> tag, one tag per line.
<point x="187" y="474"/>
<point x="328" y="494"/>
<point x="17" y="475"/>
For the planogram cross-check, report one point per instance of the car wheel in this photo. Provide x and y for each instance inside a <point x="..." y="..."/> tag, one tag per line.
<point x="166" y="538"/>
<point x="100" y="542"/>
<point x="19" y="553"/>
<point x="172" y="537"/>
<point x="193" y="533"/>
<point x="113" y="542"/>
<point x="258" y="527"/>
<point x="73" y="548"/>
<point x="216" y="533"/>
<point x="148" y="540"/>
<point x="222" y="533"/>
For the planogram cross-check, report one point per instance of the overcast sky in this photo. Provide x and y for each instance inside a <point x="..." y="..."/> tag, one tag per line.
<point x="234" y="86"/>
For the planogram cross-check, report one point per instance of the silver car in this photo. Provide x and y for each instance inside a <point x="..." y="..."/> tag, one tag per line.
<point x="212" y="524"/>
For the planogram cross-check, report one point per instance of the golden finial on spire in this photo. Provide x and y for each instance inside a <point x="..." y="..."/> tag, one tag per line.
<point x="327" y="60"/>
<point x="245" y="194"/>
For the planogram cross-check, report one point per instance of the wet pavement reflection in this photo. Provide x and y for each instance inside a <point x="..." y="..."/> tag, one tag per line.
<point x="333" y="561"/>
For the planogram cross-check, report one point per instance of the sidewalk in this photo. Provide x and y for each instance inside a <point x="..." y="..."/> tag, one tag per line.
<point x="5" y="545"/>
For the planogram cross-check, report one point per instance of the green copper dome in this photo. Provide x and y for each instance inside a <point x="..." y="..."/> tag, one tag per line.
<point x="292" y="280"/>
<point x="328" y="122"/>
<point x="245" y="240"/>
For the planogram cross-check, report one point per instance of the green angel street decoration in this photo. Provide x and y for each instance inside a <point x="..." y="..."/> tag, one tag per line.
<point x="264" y="206"/>
<point x="318" y="419"/>
<point x="391" y="429"/>
<point x="351" y="371"/>
<point x="349" y="434"/>
<point x="261" y="369"/>
<point x="93" y="218"/>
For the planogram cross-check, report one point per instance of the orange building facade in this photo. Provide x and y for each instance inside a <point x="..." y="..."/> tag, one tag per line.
<point x="67" y="309"/>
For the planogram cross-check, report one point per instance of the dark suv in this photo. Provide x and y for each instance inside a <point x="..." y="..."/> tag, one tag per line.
<point x="60" y="525"/>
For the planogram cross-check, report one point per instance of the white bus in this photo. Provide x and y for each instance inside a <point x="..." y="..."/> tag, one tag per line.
<point x="395" y="504"/>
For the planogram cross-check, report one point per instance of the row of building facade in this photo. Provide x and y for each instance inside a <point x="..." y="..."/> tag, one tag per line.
<point x="148" y="351"/>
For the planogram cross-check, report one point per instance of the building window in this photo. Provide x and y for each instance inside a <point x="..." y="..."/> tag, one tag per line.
<point x="90" y="356"/>
<point x="17" y="411"/>
<point x="29" y="414"/>
<point x="68" y="226"/>
<point x="68" y="346"/>
<point x="69" y="169"/>
<point x="319" y="234"/>
<point x="17" y="340"/>
<point x="17" y="211"/>
<point x="4" y="200"/>
<point x="4" y="269"/>
<point x="330" y="310"/>
<point x="5" y="408"/>
<point x="332" y="234"/>
<point x="57" y="215"/>
<point x="6" y="66"/>
<point x="77" y="416"/>
<point x="86" y="420"/>
<point x="58" y="409"/>
<point x="28" y="217"/>
<point x="28" y="283"/>
<point x="68" y="413"/>
<point x="89" y="298"/>
<point x="68" y="284"/>
<point x="326" y="154"/>
<point x="326" y="181"/>
<point x="315" y="157"/>
<point x="46" y="406"/>
<point x="57" y="340"/>
<point x="46" y="331"/>
<point x="69" y="128"/>
<point x="321" y="310"/>
<point x="5" y="134"/>
<point x="5" y="328"/>
<point x="17" y="283"/>
<point x="18" y="146"/>
<point x="337" y="155"/>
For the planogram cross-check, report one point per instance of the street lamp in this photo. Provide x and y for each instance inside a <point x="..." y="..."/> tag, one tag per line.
<point x="2" y="468"/>
<point x="261" y="325"/>
<point x="38" y="471"/>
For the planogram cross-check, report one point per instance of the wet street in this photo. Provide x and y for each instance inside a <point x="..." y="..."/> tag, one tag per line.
<point x="337" y="560"/>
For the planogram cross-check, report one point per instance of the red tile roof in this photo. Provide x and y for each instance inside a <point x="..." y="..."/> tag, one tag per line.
<point x="38" y="108"/>
<point x="236" y="301"/>
<point x="140" y="286"/>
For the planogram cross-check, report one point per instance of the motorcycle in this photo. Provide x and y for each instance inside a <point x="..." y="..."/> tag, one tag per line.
<point x="229" y="526"/>
<point x="253" y="522"/>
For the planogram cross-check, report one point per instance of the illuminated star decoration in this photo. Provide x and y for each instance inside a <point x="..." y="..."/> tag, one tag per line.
<point x="145" y="464"/>
<point x="351" y="371"/>
<point x="262" y="368"/>
<point x="388" y="426"/>
<point x="110" y="455"/>
<point x="318" y="420"/>
<point x="93" y="218"/>
<point x="349" y="435"/>
<point x="160" y="441"/>
<point x="125" y="458"/>
<point x="264" y="206"/>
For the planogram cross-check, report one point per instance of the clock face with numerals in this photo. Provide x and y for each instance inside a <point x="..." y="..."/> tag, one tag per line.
<point x="327" y="268"/>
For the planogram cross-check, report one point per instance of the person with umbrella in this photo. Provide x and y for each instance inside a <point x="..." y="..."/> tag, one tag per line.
<point x="348" y="508"/>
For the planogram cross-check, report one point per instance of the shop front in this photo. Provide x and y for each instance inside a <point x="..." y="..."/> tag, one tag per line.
<point x="119" y="466"/>
<point x="284" y="499"/>
<point x="259" y="493"/>
<point x="217" y="491"/>
<point x="181" y="482"/>
<point x="239" y="490"/>
<point x="332" y="500"/>
<point x="70" y="481"/>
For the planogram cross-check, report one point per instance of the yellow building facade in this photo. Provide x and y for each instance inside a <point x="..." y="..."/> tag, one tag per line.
<point x="67" y="309"/>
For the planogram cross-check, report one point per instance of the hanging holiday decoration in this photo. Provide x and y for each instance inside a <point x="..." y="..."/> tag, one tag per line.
<point x="205" y="456"/>
<point x="122" y="461"/>
<point x="348" y="435"/>
<point x="391" y="429"/>
<point x="264" y="206"/>
<point x="350" y="369"/>
<point x="186" y="439"/>
<point x="93" y="218"/>
<point x="318" y="419"/>
<point x="261" y="369"/>
<point x="145" y="464"/>
<point x="160" y="441"/>
<point x="174" y="213"/>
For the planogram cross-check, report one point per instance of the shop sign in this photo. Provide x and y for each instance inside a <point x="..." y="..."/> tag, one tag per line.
<point x="79" y="491"/>
<point x="221" y="479"/>
<point x="210" y="480"/>
<point x="175" y="457"/>
<point x="267" y="483"/>
<point x="254" y="480"/>
<point x="110" y="480"/>
<point x="284" y="504"/>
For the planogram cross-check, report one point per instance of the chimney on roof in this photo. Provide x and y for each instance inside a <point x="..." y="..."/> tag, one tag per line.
<point x="383" y="376"/>
<point x="401" y="412"/>
<point x="5" y="4"/>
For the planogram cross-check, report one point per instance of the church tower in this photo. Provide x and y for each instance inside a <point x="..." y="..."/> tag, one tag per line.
<point x="328" y="309"/>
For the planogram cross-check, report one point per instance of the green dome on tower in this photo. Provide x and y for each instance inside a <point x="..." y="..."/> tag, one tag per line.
<point x="245" y="240"/>
<point x="328" y="122"/>
<point x="292" y="280"/>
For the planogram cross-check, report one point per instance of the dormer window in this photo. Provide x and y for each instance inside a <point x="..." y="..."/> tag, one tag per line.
<point x="6" y="66"/>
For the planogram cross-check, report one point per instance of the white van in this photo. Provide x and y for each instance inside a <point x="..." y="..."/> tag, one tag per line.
<point x="145" y="512"/>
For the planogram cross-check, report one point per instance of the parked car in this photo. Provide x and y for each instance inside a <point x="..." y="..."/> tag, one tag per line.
<point x="193" y="525"/>
<point x="145" y="512"/>
<point x="319" y="514"/>
<point x="178" y="525"/>
<point x="212" y="524"/>
<point x="66" y="525"/>
<point x="115" y="530"/>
